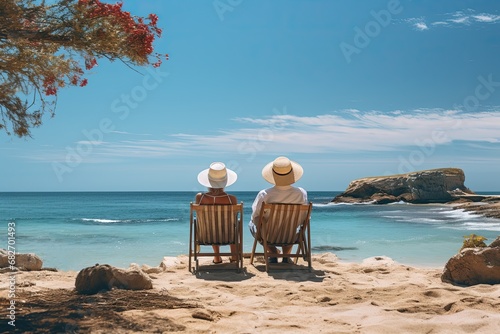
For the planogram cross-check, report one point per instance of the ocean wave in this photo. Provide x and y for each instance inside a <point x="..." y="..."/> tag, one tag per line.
<point x="415" y="219"/>
<point x="460" y="214"/>
<point x="474" y="224"/>
<point x="482" y="227"/>
<point x="487" y="226"/>
<point x="400" y="202"/>
<point x="125" y="221"/>
<point x="331" y="248"/>
<point x="395" y="217"/>
<point x="101" y="221"/>
<point x="340" y="204"/>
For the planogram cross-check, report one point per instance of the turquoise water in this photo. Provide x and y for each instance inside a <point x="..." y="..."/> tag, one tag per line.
<point x="74" y="230"/>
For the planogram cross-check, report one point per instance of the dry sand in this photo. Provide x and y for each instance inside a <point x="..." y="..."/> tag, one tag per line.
<point x="376" y="296"/>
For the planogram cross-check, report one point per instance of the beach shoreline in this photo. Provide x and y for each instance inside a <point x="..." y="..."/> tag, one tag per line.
<point x="375" y="296"/>
<point x="144" y="227"/>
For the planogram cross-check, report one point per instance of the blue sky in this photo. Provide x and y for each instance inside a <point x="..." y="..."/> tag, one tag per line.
<point x="346" y="88"/>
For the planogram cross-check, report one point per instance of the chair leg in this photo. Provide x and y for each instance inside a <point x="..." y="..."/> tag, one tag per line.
<point x="192" y="257"/>
<point x="304" y="252"/>
<point x="240" y="247"/>
<point x="190" y="245"/>
<point x="266" y="254"/>
<point x="196" y="251"/>
<point x="240" y="255"/>
<point x="253" y="251"/>
<point x="297" y="253"/>
<point x="308" y="248"/>
<point x="237" y="263"/>
<point x="309" y="256"/>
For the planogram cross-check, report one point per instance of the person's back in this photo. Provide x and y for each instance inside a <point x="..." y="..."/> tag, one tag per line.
<point x="278" y="194"/>
<point x="215" y="196"/>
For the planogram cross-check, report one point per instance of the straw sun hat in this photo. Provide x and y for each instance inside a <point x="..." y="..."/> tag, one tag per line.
<point x="217" y="176"/>
<point x="282" y="171"/>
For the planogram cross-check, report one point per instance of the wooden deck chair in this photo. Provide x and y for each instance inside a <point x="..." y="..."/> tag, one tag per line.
<point x="283" y="225"/>
<point x="215" y="225"/>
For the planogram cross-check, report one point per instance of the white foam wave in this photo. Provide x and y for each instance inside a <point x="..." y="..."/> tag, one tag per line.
<point x="339" y="204"/>
<point x="101" y="221"/>
<point x="425" y="220"/>
<point x="161" y="220"/>
<point x="487" y="226"/>
<point x="414" y="219"/>
<point x="127" y="221"/>
<point x="400" y="202"/>
<point x="479" y="227"/>
<point x="460" y="214"/>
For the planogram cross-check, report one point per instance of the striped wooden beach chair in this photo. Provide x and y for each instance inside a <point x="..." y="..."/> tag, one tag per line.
<point x="215" y="225"/>
<point x="284" y="225"/>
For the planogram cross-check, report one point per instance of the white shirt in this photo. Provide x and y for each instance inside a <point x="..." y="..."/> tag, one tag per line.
<point x="278" y="194"/>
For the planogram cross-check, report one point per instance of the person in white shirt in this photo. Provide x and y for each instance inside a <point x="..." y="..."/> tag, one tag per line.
<point x="282" y="173"/>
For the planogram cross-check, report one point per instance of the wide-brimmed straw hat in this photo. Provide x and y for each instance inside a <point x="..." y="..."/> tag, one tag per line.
<point x="217" y="176"/>
<point x="282" y="171"/>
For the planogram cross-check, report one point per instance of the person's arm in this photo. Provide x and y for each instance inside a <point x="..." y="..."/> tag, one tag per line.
<point x="257" y="203"/>
<point x="197" y="198"/>
<point x="304" y="195"/>
<point x="233" y="199"/>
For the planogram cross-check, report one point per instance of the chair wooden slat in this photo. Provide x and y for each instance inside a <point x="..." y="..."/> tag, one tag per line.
<point x="284" y="224"/>
<point x="215" y="225"/>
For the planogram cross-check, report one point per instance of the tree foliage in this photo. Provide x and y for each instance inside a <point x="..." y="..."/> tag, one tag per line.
<point x="44" y="47"/>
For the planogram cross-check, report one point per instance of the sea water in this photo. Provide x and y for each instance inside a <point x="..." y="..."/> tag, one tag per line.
<point x="74" y="230"/>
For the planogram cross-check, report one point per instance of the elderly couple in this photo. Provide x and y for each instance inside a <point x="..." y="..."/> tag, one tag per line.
<point x="282" y="173"/>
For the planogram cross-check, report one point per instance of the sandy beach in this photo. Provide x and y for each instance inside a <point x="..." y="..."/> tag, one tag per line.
<point x="375" y="296"/>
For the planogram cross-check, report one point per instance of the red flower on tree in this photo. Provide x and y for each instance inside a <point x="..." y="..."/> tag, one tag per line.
<point x="49" y="43"/>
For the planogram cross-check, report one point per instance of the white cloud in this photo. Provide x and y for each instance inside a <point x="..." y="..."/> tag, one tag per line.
<point x="130" y="133"/>
<point x="346" y="131"/>
<point x="363" y="131"/>
<point x="421" y="26"/>
<point x="486" y="18"/>
<point x="460" y="18"/>
<point x="417" y="23"/>
<point x="439" y="23"/>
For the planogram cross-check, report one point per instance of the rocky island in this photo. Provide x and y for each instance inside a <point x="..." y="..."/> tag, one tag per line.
<point x="441" y="185"/>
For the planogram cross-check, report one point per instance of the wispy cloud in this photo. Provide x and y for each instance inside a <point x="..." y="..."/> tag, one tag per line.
<point x="421" y="26"/>
<point x="439" y="23"/>
<point x="417" y="23"/>
<point x="459" y="18"/>
<point x="130" y="133"/>
<point x="456" y="19"/>
<point x="486" y="18"/>
<point x="351" y="131"/>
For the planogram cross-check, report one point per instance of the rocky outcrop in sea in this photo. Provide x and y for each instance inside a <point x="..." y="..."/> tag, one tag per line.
<point x="440" y="185"/>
